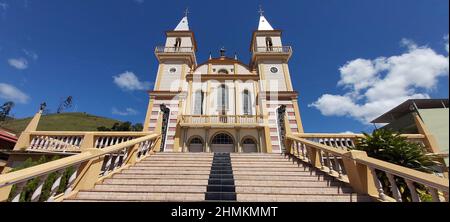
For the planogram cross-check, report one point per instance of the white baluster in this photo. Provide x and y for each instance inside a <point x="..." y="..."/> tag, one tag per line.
<point x="412" y="190"/>
<point x="378" y="184"/>
<point x="37" y="193"/>
<point x="330" y="166"/>
<point x="97" y="142"/>
<point x="337" y="166"/>
<point x="55" y="185"/>
<point x="303" y="151"/>
<point x="32" y="143"/>
<point x="71" y="181"/>
<point x="322" y="165"/>
<point x="18" y="191"/>
<point x="394" y="188"/>
<point x="108" y="164"/>
<point x="434" y="194"/>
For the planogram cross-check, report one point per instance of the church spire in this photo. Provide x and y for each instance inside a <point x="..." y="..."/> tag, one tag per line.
<point x="184" y="24"/>
<point x="263" y="23"/>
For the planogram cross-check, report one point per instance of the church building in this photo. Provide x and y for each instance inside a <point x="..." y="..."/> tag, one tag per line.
<point x="223" y="104"/>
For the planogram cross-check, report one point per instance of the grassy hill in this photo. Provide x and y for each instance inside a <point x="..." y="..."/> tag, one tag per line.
<point x="62" y="122"/>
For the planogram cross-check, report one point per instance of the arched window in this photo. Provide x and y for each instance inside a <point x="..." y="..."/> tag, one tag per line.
<point x="249" y="141"/>
<point x="198" y="103"/>
<point x="196" y="140"/>
<point x="247" y="102"/>
<point x="177" y="43"/>
<point x="269" y="43"/>
<point x="222" y="138"/>
<point x="223" y="71"/>
<point x="196" y="145"/>
<point x="222" y="98"/>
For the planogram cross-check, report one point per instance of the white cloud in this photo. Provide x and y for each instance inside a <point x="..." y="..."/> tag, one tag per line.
<point x="9" y="92"/>
<point x="3" y="6"/>
<point x="127" y="112"/>
<point x="30" y="54"/>
<point x="18" y="63"/>
<point x="129" y="81"/>
<point x="376" y="86"/>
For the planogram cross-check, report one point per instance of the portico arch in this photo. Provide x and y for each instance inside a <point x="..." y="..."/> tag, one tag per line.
<point x="222" y="142"/>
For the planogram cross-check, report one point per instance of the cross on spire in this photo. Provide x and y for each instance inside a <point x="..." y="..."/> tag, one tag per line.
<point x="260" y="11"/>
<point x="186" y="12"/>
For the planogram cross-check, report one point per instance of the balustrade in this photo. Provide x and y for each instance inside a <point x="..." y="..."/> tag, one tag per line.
<point x="113" y="157"/>
<point x="221" y="120"/>
<point x="331" y="159"/>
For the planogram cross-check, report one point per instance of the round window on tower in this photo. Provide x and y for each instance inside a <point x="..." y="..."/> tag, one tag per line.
<point x="172" y="70"/>
<point x="274" y="69"/>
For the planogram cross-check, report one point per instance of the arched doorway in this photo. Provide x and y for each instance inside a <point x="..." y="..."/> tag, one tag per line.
<point x="222" y="143"/>
<point x="196" y="145"/>
<point x="249" y="145"/>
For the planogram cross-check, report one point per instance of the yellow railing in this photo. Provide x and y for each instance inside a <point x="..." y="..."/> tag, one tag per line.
<point x="74" y="142"/>
<point x="164" y="49"/>
<point x="347" y="141"/>
<point x="356" y="168"/>
<point x="274" y="49"/>
<point x="89" y="167"/>
<point x="241" y="120"/>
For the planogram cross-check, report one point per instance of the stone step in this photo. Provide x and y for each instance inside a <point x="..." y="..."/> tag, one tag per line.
<point x="255" y="154"/>
<point x="268" y="163"/>
<point x="258" y="160"/>
<point x="151" y="188"/>
<point x="176" y="162"/>
<point x="167" y="172"/>
<point x="291" y="172"/>
<point x="258" y="157"/>
<point x="162" y="176"/>
<point x="292" y="190"/>
<point x="174" y="165"/>
<point x="269" y="167"/>
<point x="184" y="153"/>
<point x="261" y="178"/>
<point x="351" y="197"/>
<point x="169" y="168"/>
<point x="136" y="196"/>
<point x="157" y="181"/>
<point x="154" y="159"/>
<point x="277" y="183"/>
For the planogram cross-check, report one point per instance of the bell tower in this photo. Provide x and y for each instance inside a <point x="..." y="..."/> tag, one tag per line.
<point x="270" y="60"/>
<point x="177" y="57"/>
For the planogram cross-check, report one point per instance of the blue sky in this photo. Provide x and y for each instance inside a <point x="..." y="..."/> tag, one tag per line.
<point x="350" y="56"/>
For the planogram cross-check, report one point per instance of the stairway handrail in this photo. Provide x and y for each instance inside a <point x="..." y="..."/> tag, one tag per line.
<point x="91" y="154"/>
<point x="360" y="159"/>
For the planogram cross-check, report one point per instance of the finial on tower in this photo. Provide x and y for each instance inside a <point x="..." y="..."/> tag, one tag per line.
<point x="222" y="52"/>
<point x="261" y="11"/>
<point x="186" y="12"/>
<point x="210" y="56"/>
<point x="235" y="56"/>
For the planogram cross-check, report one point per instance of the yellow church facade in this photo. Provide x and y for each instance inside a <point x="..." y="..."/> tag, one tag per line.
<point x="223" y="104"/>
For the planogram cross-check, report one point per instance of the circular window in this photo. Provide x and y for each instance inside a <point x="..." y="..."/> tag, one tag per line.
<point x="274" y="69"/>
<point x="172" y="70"/>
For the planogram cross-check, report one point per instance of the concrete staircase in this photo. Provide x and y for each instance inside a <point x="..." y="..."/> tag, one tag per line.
<point x="194" y="177"/>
